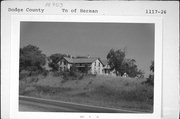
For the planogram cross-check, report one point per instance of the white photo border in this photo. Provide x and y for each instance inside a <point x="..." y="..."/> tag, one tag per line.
<point x="15" y="46"/>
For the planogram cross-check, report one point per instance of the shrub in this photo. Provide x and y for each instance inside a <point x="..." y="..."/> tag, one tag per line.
<point x="91" y="75"/>
<point x="65" y="75"/>
<point x="150" y="80"/>
<point x="72" y="75"/>
<point x="22" y="87"/>
<point x="57" y="73"/>
<point x="31" y="80"/>
<point x="45" y="72"/>
<point x="72" y="71"/>
<point x="23" y="75"/>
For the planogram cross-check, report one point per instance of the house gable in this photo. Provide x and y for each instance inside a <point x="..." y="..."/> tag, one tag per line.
<point x="96" y="65"/>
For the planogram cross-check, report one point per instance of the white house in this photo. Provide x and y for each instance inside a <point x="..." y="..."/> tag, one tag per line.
<point x="106" y="68"/>
<point x="94" y="65"/>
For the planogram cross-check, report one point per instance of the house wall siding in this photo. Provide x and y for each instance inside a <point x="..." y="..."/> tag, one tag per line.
<point x="96" y="67"/>
<point x="92" y="68"/>
<point x="69" y="66"/>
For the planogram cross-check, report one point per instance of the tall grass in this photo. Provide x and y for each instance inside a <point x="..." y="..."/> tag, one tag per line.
<point x="95" y="90"/>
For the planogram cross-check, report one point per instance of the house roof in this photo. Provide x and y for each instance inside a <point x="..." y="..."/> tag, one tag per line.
<point x="104" y="62"/>
<point x="81" y="60"/>
<point x="70" y="60"/>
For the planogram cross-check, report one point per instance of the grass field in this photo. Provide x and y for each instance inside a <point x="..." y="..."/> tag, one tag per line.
<point x="106" y="91"/>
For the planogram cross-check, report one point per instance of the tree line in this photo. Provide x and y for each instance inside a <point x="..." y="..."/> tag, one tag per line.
<point x="32" y="59"/>
<point x="120" y="64"/>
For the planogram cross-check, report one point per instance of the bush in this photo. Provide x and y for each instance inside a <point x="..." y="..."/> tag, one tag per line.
<point x="91" y="75"/>
<point x="23" y="75"/>
<point x="57" y="73"/>
<point x="65" y="75"/>
<point x="22" y="87"/>
<point x="150" y="80"/>
<point x="72" y="71"/>
<point x="32" y="80"/>
<point x="72" y="75"/>
<point x="45" y="72"/>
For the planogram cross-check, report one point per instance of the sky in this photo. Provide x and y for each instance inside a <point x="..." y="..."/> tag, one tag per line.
<point x="94" y="39"/>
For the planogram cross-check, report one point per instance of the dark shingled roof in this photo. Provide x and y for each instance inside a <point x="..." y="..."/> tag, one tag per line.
<point x="104" y="62"/>
<point x="80" y="60"/>
<point x="68" y="59"/>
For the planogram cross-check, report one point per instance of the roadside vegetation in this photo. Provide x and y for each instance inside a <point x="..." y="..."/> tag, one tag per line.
<point x="134" y="92"/>
<point x="103" y="91"/>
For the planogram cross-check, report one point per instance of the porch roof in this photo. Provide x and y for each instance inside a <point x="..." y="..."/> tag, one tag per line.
<point x="80" y="60"/>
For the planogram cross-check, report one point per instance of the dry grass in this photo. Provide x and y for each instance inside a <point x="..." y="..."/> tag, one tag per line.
<point x="107" y="91"/>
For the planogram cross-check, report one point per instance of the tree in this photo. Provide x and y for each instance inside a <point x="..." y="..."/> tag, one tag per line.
<point x="152" y="67"/>
<point x="130" y="67"/>
<point x="54" y="60"/>
<point x="150" y="79"/>
<point x="86" y="69"/>
<point x="115" y="60"/>
<point x="31" y="59"/>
